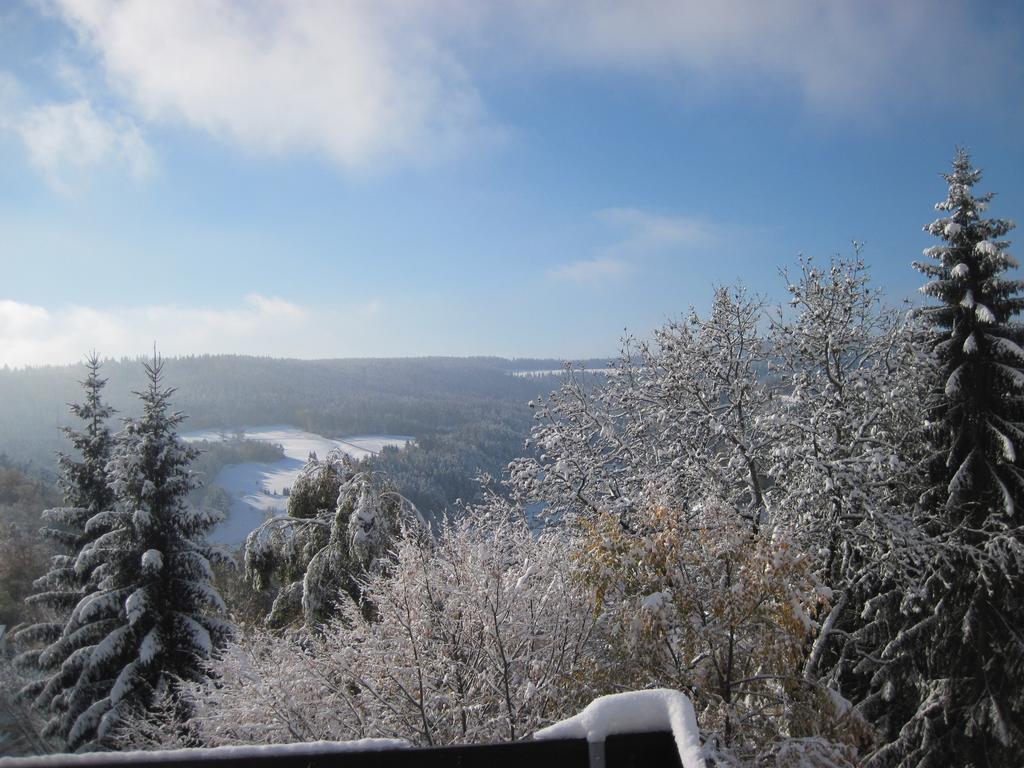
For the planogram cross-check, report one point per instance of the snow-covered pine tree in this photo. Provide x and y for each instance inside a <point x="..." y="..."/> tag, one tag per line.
<point x="86" y="493"/>
<point x="279" y="551"/>
<point x="964" y="630"/>
<point x="148" y="622"/>
<point x="977" y="344"/>
<point x="342" y="519"/>
<point x="84" y="486"/>
<point x="84" y="483"/>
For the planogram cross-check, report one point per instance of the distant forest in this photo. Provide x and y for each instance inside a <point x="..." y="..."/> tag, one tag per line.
<point x="469" y="415"/>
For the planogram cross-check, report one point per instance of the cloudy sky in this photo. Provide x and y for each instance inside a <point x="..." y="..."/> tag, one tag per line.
<point x="320" y="178"/>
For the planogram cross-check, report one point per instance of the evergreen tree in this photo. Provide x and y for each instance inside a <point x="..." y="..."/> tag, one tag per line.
<point x="976" y="344"/>
<point x="964" y="630"/>
<point x="84" y="483"/>
<point x="148" y="623"/>
<point x="342" y="520"/>
<point x="86" y="494"/>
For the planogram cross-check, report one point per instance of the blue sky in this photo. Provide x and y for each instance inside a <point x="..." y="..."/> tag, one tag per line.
<point x="320" y="179"/>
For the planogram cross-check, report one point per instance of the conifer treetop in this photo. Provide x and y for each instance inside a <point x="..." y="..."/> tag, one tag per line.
<point x="83" y="482"/>
<point x="970" y="258"/>
<point x="977" y="344"/>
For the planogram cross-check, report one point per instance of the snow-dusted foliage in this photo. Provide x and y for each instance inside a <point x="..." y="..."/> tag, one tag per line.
<point x="477" y="635"/>
<point x="21" y="725"/>
<point x="86" y="492"/>
<point x="148" y="619"/>
<point x="960" y="693"/>
<point x="55" y="643"/>
<point x="845" y="424"/>
<point x="847" y="462"/>
<point x="679" y="418"/>
<point x="976" y="343"/>
<point x="342" y="519"/>
<point x="768" y="452"/>
<point x="278" y="552"/>
<point x="84" y="482"/>
<point x="696" y="601"/>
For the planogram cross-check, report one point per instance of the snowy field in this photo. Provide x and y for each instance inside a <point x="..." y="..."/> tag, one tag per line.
<point x="257" y="488"/>
<point x="558" y="372"/>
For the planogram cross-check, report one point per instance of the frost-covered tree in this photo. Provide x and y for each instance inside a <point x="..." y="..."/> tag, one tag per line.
<point x="749" y="431"/>
<point x="148" y="620"/>
<point x="963" y="625"/>
<point x="86" y="493"/>
<point x="279" y="551"/>
<point x="84" y="484"/>
<point x="695" y="601"/>
<point x="663" y="470"/>
<point x="315" y="491"/>
<point x="21" y="725"/>
<point x="975" y="340"/>
<point x="846" y="462"/>
<point x="681" y="416"/>
<point x="341" y="520"/>
<point x="480" y="634"/>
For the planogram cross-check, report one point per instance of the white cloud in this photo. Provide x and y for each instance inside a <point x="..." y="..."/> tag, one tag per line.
<point x="372" y="82"/>
<point x="17" y="319"/>
<point x="34" y="335"/>
<point x="840" y="56"/>
<point x="64" y="139"/>
<point x="69" y="137"/>
<point x="648" y="232"/>
<point x="590" y="270"/>
<point x="640" y="234"/>
<point x="363" y="82"/>
<point x="275" y="307"/>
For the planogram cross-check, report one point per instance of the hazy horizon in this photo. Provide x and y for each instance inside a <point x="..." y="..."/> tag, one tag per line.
<point x="140" y="358"/>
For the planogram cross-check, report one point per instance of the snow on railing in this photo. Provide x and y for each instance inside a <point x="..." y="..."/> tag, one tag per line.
<point x="634" y="712"/>
<point x="209" y="755"/>
<point x="634" y="728"/>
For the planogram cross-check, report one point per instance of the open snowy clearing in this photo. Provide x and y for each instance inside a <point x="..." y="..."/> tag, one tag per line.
<point x="559" y="372"/>
<point x="257" y="488"/>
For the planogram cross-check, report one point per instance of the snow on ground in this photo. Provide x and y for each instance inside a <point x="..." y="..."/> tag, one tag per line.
<point x="558" y="372"/>
<point x="257" y="489"/>
<point x="636" y="712"/>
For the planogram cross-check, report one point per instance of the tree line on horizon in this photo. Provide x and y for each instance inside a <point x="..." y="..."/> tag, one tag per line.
<point x="468" y="415"/>
<point x="415" y="396"/>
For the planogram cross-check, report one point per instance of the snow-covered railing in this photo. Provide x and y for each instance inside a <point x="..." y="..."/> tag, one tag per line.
<point x="634" y="712"/>
<point x="639" y="728"/>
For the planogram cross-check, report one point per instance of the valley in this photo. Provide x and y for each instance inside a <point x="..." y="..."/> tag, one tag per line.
<point x="258" y="489"/>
